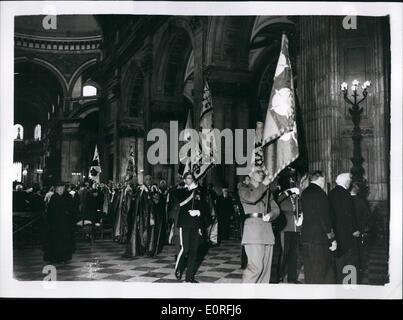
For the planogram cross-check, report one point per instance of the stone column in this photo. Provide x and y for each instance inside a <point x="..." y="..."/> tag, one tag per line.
<point x="231" y="111"/>
<point x="146" y="66"/>
<point x="330" y="55"/>
<point x="318" y="84"/>
<point x="70" y="151"/>
<point x="111" y="111"/>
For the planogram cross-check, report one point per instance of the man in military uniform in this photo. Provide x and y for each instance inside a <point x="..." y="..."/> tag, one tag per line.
<point x="258" y="237"/>
<point x="190" y="226"/>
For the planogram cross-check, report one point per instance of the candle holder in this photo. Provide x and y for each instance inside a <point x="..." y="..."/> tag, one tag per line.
<point x="356" y="110"/>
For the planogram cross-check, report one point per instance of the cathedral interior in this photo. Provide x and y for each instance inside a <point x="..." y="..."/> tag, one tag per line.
<point x="107" y="80"/>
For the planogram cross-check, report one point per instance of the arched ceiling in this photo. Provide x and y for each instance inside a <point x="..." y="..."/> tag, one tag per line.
<point x="36" y="89"/>
<point x="74" y="26"/>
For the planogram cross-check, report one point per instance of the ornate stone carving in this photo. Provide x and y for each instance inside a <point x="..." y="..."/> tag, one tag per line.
<point x="87" y="44"/>
<point x="146" y="62"/>
<point x="130" y="129"/>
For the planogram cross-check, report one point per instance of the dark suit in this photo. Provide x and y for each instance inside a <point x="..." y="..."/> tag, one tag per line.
<point x="189" y="230"/>
<point x="317" y="258"/>
<point x="345" y="224"/>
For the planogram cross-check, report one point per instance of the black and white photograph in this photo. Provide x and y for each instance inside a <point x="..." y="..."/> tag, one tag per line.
<point x="201" y="151"/>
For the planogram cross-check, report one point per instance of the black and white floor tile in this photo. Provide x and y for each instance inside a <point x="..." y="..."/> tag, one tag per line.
<point x="103" y="261"/>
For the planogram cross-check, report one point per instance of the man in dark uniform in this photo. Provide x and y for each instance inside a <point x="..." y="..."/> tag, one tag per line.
<point x="317" y="236"/>
<point x="190" y="225"/>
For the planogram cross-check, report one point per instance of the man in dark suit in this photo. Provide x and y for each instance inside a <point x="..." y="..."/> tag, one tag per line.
<point x="317" y="236"/>
<point x="345" y="226"/>
<point x="225" y="212"/>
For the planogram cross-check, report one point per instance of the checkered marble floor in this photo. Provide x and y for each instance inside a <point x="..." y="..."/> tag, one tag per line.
<point x="103" y="261"/>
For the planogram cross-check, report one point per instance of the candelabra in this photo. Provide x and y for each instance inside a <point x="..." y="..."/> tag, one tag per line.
<point x="356" y="110"/>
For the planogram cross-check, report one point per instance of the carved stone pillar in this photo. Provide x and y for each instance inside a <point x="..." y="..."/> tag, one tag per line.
<point x="146" y="66"/>
<point x="330" y="55"/>
<point x="70" y="151"/>
<point x="229" y="91"/>
<point x="110" y="106"/>
<point x="320" y="101"/>
<point x="130" y="135"/>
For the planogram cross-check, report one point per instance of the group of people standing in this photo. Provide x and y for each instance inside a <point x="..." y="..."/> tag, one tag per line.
<point x="330" y="228"/>
<point x="334" y="229"/>
<point x="143" y="217"/>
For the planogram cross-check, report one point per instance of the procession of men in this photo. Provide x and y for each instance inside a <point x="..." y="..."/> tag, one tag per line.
<point x="278" y="206"/>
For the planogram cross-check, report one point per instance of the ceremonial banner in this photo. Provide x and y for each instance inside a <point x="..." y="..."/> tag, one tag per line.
<point x="207" y="151"/>
<point x="280" y="140"/>
<point x="185" y="155"/>
<point x="95" y="168"/>
<point x="257" y="154"/>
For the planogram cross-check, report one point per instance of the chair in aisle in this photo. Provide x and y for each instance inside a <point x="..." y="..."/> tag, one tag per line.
<point x="102" y="226"/>
<point x="85" y="230"/>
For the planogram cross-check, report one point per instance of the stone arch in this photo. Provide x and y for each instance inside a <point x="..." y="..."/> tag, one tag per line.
<point x="228" y="41"/>
<point x="132" y="90"/>
<point x="78" y="72"/>
<point x="59" y="75"/>
<point x="85" y="110"/>
<point x="169" y="71"/>
<point x="276" y="23"/>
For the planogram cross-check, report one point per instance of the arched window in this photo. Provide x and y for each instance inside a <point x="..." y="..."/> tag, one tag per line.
<point x="37" y="132"/>
<point x="18" y="132"/>
<point x="17" y="171"/>
<point x="89" y="91"/>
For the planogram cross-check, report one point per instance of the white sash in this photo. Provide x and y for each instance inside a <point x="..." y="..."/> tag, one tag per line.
<point x="186" y="200"/>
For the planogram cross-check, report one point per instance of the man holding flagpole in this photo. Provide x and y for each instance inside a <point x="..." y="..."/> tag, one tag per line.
<point x="197" y="161"/>
<point x="280" y="149"/>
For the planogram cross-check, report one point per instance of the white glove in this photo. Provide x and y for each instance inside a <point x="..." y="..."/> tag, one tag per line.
<point x="333" y="247"/>
<point x="356" y="234"/>
<point x="298" y="222"/>
<point x="294" y="190"/>
<point x="194" y="213"/>
<point x="266" y="217"/>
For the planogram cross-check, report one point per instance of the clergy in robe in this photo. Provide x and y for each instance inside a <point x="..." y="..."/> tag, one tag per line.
<point x="58" y="235"/>
<point x="143" y="221"/>
<point x="123" y="207"/>
<point x="160" y="221"/>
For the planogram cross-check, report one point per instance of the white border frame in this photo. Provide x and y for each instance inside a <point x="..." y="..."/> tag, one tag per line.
<point x="12" y="288"/>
